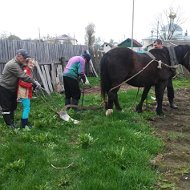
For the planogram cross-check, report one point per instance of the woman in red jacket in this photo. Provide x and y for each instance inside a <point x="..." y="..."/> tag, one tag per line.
<point x="25" y="92"/>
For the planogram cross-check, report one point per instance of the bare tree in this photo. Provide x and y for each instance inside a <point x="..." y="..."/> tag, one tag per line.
<point x="90" y="36"/>
<point x="4" y="35"/>
<point x="168" y="23"/>
<point x="98" y="42"/>
<point x="10" y="36"/>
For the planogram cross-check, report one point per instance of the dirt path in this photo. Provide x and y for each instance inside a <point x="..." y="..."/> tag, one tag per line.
<point x="97" y="90"/>
<point x="174" y="129"/>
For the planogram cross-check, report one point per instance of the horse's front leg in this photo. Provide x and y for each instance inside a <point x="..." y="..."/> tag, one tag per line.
<point x="159" y="91"/>
<point x="143" y="97"/>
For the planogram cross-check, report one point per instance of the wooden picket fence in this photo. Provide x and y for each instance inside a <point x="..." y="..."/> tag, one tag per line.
<point x="50" y="58"/>
<point x="51" y="76"/>
<point x="43" y="52"/>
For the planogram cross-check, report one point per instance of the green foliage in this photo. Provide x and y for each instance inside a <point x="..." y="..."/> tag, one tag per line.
<point x="94" y="81"/>
<point x="115" y="150"/>
<point x="86" y="140"/>
<point x="16" y="165"/>
<point x="175" y="136"/>
<point x="181" y="82"/>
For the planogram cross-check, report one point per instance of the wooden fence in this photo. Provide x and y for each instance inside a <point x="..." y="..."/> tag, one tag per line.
<point x="51" y="59"/>
<point x="43" y="52"/>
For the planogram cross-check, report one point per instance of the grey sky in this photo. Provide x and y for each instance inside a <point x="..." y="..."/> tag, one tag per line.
<point x="113" y="19"/>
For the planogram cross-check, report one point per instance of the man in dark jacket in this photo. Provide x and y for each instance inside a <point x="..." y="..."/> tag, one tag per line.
<point x="170" y="89"/>
<point x="12" y="72"/>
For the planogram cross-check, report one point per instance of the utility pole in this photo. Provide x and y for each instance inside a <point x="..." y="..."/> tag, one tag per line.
<point x="39" y="34"/>
<point x="132" y="24"/>
<point x="157" y="30"/>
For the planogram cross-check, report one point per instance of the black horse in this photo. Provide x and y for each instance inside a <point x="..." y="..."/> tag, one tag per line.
<point x="121" y="65"/>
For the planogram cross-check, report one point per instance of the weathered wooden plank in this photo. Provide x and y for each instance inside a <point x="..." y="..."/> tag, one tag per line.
<point x="45" y="77"/>
<point x="53" y="74"/>
<point x="47" y="69"/>
<point x="41" y="51"/>
<point x="59" y="79"/>
<point x="42" y="77"/>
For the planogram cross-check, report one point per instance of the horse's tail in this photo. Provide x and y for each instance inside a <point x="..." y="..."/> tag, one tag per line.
<point x="104" y="76"/>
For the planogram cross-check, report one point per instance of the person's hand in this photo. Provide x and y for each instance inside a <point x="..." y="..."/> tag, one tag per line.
<point x="83" y="78"/>
<point x="87" y="83"/>
<point x="38" y="85"/>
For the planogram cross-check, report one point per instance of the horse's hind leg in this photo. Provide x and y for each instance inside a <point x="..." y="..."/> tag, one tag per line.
<point x="112" y="99"/>
<point x="109" y="104"/>
<point x="143" y="97"/>
<point x="116" y="100"/>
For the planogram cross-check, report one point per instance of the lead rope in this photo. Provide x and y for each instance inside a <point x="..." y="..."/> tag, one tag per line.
<point x="132" y="76"/>
<point x="159" y="67"/>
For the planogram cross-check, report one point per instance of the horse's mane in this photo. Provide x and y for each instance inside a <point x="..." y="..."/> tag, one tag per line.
<point x="161" y="54"/>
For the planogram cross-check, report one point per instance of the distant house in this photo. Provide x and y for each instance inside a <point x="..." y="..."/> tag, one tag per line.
<point x="126" y="43"/>
<point x="66" y="38"/>
<point x="135" y="45"/>
<point x="106" y="47"/>
<point x="63" y="39"/>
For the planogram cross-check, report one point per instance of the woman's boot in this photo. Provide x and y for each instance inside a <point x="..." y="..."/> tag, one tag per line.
<point x="24" y="122"/>
<point x="67" y="102"/>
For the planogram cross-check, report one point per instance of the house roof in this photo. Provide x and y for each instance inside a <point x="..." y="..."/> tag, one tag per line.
<point x="127" y="43"/>
<point x="64" y="37"/>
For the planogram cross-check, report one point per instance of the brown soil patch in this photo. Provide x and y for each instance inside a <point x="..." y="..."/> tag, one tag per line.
<point x="97" y="90"/>
<point x="91" y="90"/>
<point x="174" y="129"/>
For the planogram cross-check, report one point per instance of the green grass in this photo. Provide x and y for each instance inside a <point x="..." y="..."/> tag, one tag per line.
<point x="181" y="82"/>
<point x="101" y="153"/>
<point x="94" y="81"/>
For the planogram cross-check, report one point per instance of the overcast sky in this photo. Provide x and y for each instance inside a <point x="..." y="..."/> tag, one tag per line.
<point x="112" y="18"/>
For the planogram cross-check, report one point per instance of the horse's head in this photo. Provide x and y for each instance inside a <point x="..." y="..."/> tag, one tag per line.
<point x="161" y="54"/>
<point x="183" y="55"/>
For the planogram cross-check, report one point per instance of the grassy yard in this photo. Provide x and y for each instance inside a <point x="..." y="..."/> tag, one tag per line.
<point x="100" y="153"/>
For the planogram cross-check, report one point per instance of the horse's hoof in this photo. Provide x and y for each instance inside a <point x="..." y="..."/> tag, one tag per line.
<point x="109" y="112"/>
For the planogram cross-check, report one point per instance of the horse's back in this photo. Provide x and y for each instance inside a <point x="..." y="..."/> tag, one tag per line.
<point x="116" y="63"/>
<point x="119" y="64"/>
<point x="117" y="60"/>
